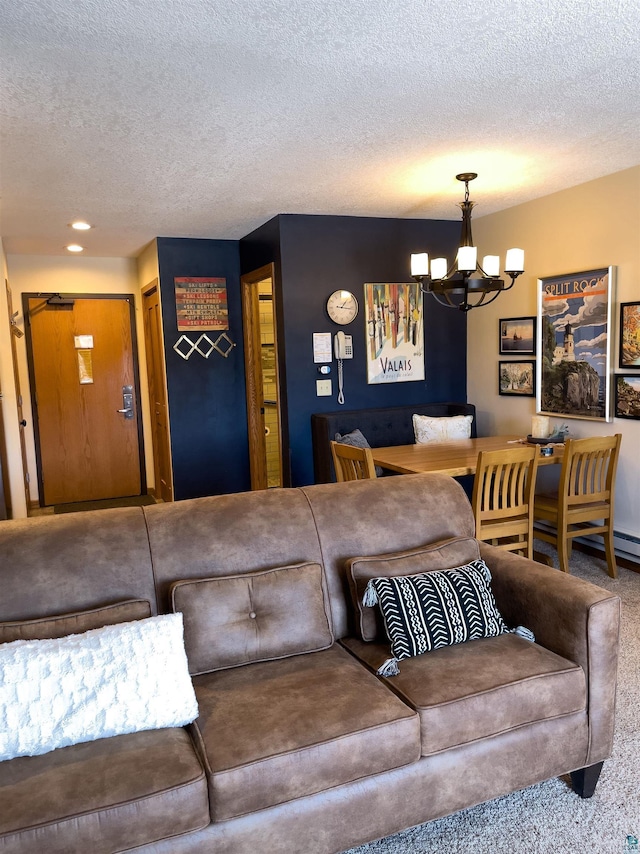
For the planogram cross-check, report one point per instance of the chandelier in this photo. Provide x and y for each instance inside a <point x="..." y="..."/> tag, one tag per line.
<point x="454" y="286"/>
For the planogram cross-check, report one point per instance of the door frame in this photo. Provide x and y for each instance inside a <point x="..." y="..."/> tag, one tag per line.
<point x="253" y="374"/>
<point x="15" y="333"/>
<point x="145" y="292"/>
<point x="130" y="298"/>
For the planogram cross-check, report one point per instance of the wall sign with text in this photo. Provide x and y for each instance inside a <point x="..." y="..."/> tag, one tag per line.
<point x="201" y="304"/>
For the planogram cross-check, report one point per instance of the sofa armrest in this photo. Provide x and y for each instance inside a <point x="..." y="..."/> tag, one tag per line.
<point x="571" y="617"/>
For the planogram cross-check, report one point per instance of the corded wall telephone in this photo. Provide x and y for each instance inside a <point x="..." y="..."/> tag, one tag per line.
<point x="343" y="346"/>
<point x="343" y="349"/>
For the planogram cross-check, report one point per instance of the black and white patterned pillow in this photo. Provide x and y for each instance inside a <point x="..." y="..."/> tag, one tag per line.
<point x="435" y="609"/>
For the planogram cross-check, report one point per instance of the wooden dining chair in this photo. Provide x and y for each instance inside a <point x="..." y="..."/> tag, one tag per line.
<point x="583" y="505"/>
<point x="502" y="498"/>
<point x="352" y="463"/>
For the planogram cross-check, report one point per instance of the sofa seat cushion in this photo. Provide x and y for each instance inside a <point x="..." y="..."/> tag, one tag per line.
<point x="478" y="689"/>
<point x="103" y="796"/>
<point x="278" y="730"/>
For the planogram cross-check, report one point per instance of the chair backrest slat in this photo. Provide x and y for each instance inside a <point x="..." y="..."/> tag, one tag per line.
<point x="352" y="463"/>
<point x="589" y="469"/>
<point x="503" y="497"/>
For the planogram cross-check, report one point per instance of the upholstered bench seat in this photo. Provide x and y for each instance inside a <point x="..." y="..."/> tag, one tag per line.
<point x="481" y="688"/>
<point x="277" y="730"/>
<point x="102" y="796"/>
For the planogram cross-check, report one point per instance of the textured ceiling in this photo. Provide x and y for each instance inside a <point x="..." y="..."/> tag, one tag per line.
<point x="205" y="118"/>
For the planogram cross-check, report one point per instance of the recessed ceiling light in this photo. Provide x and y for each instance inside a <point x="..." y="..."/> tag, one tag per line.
<point x="80" y="225"/>
<point x="74" y="247"/>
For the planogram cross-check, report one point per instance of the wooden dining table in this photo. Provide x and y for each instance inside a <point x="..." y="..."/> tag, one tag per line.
<point x="457" y="457"/>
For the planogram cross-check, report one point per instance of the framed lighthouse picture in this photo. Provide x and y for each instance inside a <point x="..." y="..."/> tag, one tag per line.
<point x="574" y="344"/>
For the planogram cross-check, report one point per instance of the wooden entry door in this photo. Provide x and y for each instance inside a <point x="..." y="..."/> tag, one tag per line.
<point x="81" y="360"/>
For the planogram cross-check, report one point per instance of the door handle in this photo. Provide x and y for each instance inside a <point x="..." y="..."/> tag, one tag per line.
<point x="127" y="402"/>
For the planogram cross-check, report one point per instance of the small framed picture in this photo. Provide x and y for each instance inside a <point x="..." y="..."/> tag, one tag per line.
<point x="630" y="335"/>
<point x="517" y="336"/>
<point x="627" y="396"/>
<point x="517" y="378"/>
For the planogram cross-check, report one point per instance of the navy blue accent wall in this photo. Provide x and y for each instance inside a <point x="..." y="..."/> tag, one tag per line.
<point x="207" y="406"/>
<point x="319" y="254"/>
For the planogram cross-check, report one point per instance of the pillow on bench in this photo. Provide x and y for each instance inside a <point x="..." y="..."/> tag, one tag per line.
<point x="357" y="439"/>
<point x="441" y="429"/>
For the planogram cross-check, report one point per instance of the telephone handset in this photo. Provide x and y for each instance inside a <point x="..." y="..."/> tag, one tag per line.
<point x="343" y="346"/>
<point x="343" y="349"/>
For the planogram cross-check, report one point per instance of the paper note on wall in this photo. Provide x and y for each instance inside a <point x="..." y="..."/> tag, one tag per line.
<point x="85" y="367"/>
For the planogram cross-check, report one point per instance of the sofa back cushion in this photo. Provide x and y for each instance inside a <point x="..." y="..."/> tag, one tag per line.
<point x="60" y="625"/>
<point x="259" y="616"/>
<point x="436" y="556"/>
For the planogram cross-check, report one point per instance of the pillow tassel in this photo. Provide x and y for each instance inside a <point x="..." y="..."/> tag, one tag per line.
<point x="389" y="668"/>
<point x="525" y="633"/>
<point x="370" y="597"/>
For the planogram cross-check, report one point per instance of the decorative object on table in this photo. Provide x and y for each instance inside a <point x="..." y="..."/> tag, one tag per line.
<point x="517" y="378"/>
<point x="574" y="344"/>
<point x="517" y="336"/>
<point x="185" y="347"/>
<point x="627" y="403"/>
<point x="395" y="336"/>
<point x="542" y="434"/>
<point x="630" y="335"/>
<point x="342" y="307"/>
<point x="453" y="285"/>
<point x="201" y="304"/>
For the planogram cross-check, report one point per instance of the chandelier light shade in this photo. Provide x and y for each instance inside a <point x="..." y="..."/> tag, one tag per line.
<point x="456" y="286"/>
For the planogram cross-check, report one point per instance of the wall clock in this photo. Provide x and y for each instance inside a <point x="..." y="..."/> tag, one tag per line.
<point x="342" y="307"/>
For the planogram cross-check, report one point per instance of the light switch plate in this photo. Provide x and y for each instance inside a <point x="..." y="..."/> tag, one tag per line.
<point x="323" y="388"/>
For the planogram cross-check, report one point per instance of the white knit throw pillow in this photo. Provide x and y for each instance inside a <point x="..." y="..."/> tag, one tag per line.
<point x="110" y="681"/>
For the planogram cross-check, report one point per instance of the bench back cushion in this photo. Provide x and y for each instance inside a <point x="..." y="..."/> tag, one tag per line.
<point x="389" y="425"/>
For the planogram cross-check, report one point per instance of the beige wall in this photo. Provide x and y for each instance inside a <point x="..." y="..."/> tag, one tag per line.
<point x="53" y="274"/>
<point x="594" y="225"/>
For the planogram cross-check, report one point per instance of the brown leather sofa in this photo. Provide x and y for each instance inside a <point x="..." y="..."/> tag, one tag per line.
<point x="299" y="746"/>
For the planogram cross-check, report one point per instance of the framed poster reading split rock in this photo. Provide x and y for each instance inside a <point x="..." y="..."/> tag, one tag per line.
<point x="574" y="344"/>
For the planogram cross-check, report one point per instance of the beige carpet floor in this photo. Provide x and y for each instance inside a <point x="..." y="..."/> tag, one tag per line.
<point x="549" y="818"/>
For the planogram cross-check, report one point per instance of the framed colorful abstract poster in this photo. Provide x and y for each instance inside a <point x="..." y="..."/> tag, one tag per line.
<point x="395" y="332"/>
<point x="630" y="335"/>
<point x="574" y="344"/>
